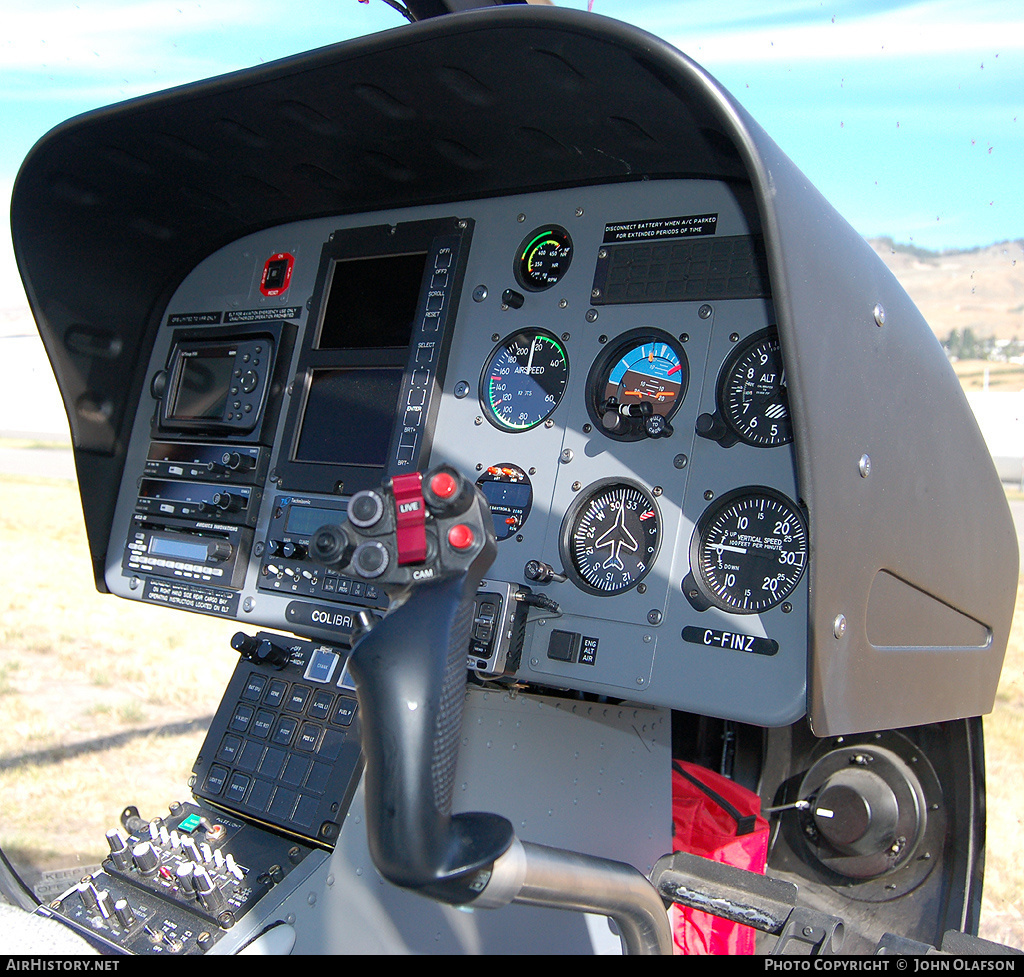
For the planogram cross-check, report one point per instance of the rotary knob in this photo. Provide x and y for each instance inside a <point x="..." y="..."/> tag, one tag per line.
<point x="145" y="858"/>
<point x="370" y="559"/>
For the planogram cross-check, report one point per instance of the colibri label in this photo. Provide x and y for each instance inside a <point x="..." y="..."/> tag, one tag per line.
<point x="730" y="640"/>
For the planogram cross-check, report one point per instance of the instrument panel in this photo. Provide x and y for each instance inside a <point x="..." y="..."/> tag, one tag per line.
<point x="603" y="361"/>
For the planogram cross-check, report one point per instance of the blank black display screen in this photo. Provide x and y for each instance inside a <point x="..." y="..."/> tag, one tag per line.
<point x="372" y="302"/>
<point x="349" y="414"/>
<point x="203" y="384"/>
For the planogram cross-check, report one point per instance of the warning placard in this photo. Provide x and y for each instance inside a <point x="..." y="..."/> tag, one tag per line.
<point x="661" y="228"/>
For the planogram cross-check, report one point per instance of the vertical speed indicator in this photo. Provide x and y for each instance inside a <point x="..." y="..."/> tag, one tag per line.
<point x="748" y="551"/>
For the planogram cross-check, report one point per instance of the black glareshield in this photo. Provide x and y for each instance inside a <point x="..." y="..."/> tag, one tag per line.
<point x="410" y="673"/>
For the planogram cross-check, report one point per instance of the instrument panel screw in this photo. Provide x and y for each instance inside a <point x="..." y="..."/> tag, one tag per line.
<point x="579" y="211"/>
<point x="839" y="625"/>
<point x="787" y="607"/>
<point x="532" y="471"/>
<point x="591" y="315"/>
<point x="734" y="337"/>
<point x="653" y="617"/>
<point x="708" y="495"/>
<point x="461" y="389"/>
<point x="602" y="253"/>
<point x="595" y="293"/>
<point x="705" y="311"/>
<point x="248" y="604"/>
<point x="478" y="421"/>
<point x="562" y="303"/>
<point x="641" y="588"/>
<point x="462" y="225"/>
<point x="879" y="313"/>
<point x="566" y="337"/>
<point x="134" y="583"/>
<point x="495" y="337"/>
<point x="576" y="486"/>
<point x="566" y="456"/>
<point x="680" y="461"/>
<point x="521" y="218"/>
<point x="587" y="429"/>
<point x="657" y="491"/>
<point x="684" y="337"/>
<point x="864" y="466"/>
<point x="479" y="466"/>
<point x="549" y="424"/>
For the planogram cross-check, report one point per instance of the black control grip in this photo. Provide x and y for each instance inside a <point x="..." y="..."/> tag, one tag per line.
<point x="410" y="673"/>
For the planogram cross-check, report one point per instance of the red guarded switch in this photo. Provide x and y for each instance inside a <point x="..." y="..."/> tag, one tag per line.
<point x="410" y="515"/>
<point x="460" y="537"/>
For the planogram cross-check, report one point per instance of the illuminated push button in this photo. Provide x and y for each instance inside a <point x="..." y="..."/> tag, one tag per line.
<point x="460" y="537"/>
<point x="443" y="485"/>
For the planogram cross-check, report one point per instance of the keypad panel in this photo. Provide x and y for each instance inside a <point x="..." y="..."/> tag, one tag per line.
<point x="284" y="747"/>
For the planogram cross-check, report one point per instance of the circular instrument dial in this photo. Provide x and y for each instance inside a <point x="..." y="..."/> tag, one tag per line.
<point x="523" y="380"/>
<point x="752" y="392"/>
<point x="643" y="374"/>
<point x="610" y="537"/>
<point x="749" y="550"/>
<point x="543" y="258"/>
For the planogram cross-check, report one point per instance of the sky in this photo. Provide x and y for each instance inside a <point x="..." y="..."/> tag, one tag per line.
<point x="908" y="116"/>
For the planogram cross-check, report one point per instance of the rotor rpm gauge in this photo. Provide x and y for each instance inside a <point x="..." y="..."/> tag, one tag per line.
<point x="523" y="380"/>
<point x="543" y="258"/>
<point x="748" y="551"/>
<point x="610" y="537"/>
<point x="752" y="392"/>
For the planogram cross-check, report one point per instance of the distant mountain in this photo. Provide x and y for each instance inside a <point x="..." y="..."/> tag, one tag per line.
<point x="981" y="289"/>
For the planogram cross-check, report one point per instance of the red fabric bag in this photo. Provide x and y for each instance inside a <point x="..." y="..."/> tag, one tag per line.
<point x="718" y="819"/>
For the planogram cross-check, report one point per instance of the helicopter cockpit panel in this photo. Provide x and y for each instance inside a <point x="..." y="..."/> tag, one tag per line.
<point x="603" y="360"/>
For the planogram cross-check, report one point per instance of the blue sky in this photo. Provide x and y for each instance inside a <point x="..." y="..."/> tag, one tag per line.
<point x="908" y="116"/>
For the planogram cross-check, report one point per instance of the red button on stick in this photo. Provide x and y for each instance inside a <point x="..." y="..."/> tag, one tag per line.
<point x="443" y="485"/>
<point x="460" y="537"/>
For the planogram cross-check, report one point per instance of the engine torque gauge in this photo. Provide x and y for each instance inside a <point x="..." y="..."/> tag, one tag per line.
<point x="752" y="392"/>
<point x="543" y="258"/>
<point x="637" y="384"/>
<point x="748" y="552"/>
<point x="610" y="537"/>
<point x="523" y="380"/>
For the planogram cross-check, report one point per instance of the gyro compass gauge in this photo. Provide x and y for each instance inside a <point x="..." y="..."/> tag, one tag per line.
<point x="748" y="552"/>
<point x="752" y="405"/>
<point x="610" y="537"/>
<point x="637" y="384"/>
